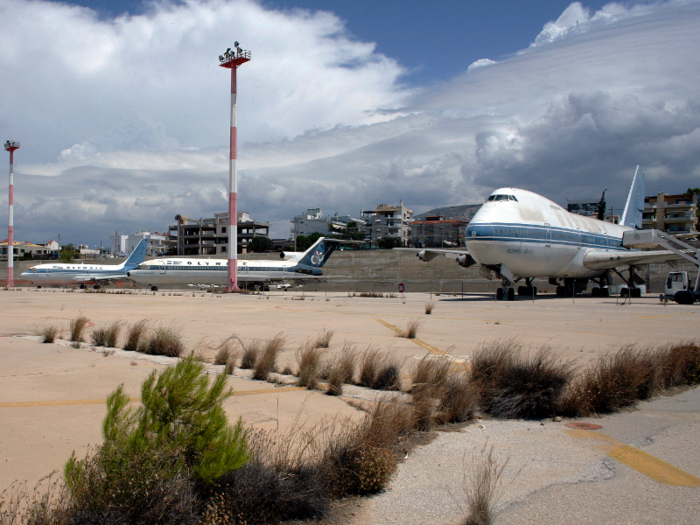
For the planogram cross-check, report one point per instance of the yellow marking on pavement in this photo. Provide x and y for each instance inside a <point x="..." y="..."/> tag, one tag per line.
<point x="665" y="316"/>
<point x="423" y="344"/>
<point x="70" y="402"/>
<point x="650" y="466"/>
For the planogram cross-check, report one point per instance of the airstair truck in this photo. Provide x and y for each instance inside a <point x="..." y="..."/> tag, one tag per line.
<point x="679" y="288"/>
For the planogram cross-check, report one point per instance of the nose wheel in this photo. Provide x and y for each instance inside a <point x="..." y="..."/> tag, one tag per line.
<point x="505" y="293"/>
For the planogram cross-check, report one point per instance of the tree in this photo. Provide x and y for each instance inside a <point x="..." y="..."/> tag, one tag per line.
<point x="261" y="244"/>
<point x="181" y="430"/>
<point x="388" y="243"/>
<point x="305" y="242"/>
<point x="67" y="253"/>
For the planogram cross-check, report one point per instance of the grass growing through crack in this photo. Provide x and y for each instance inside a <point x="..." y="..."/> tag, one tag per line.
<point x="267" y="358"/>
<point x="483" y="487"/>
<point x="324" y="339"/>
<point x="77" y="327"/>
<point x="227" y="354"/>
<point x="166" y="341"/>
<point x="309" y="358"/>
<point x="429" y="308"/>
<point x="48" y="334"/>
<point x="411" y="330"/>
<point x="134" y="335"/>
<point x="107" y="336"/>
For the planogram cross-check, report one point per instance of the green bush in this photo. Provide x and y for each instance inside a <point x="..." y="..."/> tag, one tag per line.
<point x="180" y="431"/>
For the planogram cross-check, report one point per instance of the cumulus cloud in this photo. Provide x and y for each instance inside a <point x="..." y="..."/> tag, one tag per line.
<point x="130" y="128"/>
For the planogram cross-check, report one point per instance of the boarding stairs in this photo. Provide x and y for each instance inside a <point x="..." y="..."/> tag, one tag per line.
<point x="641" y="239"/>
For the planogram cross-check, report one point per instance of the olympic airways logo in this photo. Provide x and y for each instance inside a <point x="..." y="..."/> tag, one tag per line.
<point x="317" y="256"/>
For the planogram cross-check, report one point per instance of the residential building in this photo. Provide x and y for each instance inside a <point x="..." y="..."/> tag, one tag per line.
<point x="210" y="236"/>
<point x="159" y="243"/>
<point x="30" y="250"/>
<point x="388" y="221"/>
<point x="435" y="231"/>
<point x="671" y="213"/>
<point x="313" y="221"/>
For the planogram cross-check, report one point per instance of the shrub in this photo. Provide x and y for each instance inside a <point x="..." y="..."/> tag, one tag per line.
<point x="181" y="429"/>
<point x="268" y="358"/>
<point x="77" y="326"/>
<point x="167" y="341"/>
<point x="309" y="359"/>
<point x="134" y="335"/>
<point x="49" y="334"/>
<point x="679" y="364"/>
<point x="324" y="339"/>
<point x="515" y="386"/>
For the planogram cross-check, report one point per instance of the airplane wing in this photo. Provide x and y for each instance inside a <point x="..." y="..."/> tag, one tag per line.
<point x="602" y="260"/>
<point x="428" y="254"/>
<point x="101" y="278"/>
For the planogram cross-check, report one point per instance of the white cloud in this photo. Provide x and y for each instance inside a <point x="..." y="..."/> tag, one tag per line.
<point x="482" y="62"/>
<point x="137" y="132"/>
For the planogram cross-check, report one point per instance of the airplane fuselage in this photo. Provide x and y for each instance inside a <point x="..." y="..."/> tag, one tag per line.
<point x="72" y="273"/>
<point x="535" y="237"/>
<point x="185" y="270"/>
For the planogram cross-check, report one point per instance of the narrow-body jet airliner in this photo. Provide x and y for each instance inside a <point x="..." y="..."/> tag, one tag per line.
<point x="86" y="273"/>
<point x="297" y="267"/>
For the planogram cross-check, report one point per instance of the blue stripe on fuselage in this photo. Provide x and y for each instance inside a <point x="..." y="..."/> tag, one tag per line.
<point x="531" y="233"/>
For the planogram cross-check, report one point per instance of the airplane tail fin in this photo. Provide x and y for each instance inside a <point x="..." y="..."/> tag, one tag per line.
<point x="317" y="255"/>
<point x="138" y="255"/>
<point x="632" y="216"/>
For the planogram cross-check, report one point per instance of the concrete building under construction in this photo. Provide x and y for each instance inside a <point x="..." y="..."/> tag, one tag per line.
<point x="210" y="236"/>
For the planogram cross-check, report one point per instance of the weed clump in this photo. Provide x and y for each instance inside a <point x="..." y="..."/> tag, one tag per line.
<point x="165" y="340"/>
<point x="227" y="355"/>
<point x="107" y="336"/>
<point x="77" y="327"/>
<point x="309" y="361"/>
<point x="324" y="339"/>
<point x="483" y="488"/>
<point x="411" y="330"/>
<point x="134" y="335"/>
<point x="429" y="308"/>
<point x="515" y="386"/>
<point x="267" y="359"/>
<point x="49" y="334"/>
<point x="370" y="361"/>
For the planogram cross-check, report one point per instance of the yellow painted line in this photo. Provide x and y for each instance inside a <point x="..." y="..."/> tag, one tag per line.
<point x="423" y="344"/>
<point x="665" y="316"/>
<point x="650" y="466"/>
<point x="70" y="402"/>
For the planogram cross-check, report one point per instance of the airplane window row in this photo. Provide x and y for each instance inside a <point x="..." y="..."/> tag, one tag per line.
<point x="502" y="198"/>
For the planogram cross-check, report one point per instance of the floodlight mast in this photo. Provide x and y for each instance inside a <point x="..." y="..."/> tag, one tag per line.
<point x="232" y="60"/>
<point x="11" y="146"/>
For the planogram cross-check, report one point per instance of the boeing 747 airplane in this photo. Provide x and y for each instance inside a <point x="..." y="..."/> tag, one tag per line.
<point x="297" y="267"/>
<point x="86" y="273"/>
<point x="518" y="235"/>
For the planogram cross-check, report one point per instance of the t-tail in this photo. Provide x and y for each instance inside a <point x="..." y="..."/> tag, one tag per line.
<point x="632" y="216"/>
<point x="319" y="253"/>
<point x="137" y="256"/>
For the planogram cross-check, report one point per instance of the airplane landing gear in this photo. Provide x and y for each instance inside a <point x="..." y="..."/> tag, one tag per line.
<point x="154" y="288"/>
<point x="507" y="292"/>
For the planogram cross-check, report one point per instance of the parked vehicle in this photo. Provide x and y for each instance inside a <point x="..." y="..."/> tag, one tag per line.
<point x="679" y="288"/>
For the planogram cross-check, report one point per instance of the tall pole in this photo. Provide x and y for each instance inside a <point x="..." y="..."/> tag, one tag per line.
<point x="11" y="146"/>
<point x="232" y="60"/>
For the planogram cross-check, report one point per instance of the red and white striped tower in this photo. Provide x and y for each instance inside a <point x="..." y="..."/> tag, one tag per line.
<point x="11" y="146"/>
<point x="231" y="60"/>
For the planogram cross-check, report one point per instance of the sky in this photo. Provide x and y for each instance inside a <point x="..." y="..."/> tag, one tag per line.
<point x="123" y="113"/>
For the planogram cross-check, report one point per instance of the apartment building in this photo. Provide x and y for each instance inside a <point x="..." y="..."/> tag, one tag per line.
<point x="671" y="213"/>
<point x="388" y="221"/>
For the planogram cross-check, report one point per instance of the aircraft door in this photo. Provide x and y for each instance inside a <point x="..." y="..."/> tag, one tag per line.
<point x="547" y="235"/>
<point x="162" y="269"/>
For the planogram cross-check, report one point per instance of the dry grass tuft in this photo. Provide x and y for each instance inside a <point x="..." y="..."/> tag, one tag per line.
<point x="514" y="385"/>
<point x="459" y="400"/>
<point x="483" y="487"/>
<point x="77" y="327"/>
<point x="167" y="341"/>
<point x="370" y="361"/>
<point x="135" y="334"/>
<point x="251" y="350"/>
<point x="107" y="336"/>
<point x="49" y="334"/>
<point x="324" y="339"/>
<point x="227" y="354"/>
<point x="411" y="330"/>
<point x="267" y="359"/>
<point x="429" y="308"/>
<point x="309" y="361"/>
<point x="388" y="376"/>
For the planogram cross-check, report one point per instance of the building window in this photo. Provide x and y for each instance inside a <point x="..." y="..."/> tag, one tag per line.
<point x="223" y="230"/>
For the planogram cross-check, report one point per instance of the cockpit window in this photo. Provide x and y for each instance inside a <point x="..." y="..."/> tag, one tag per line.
<point x="502" y="198"/>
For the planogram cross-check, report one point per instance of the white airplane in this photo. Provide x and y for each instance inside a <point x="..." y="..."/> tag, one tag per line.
<point x="86" y="273"/>
<point x="518" y="236"/>
<point x="296" y="267"/>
